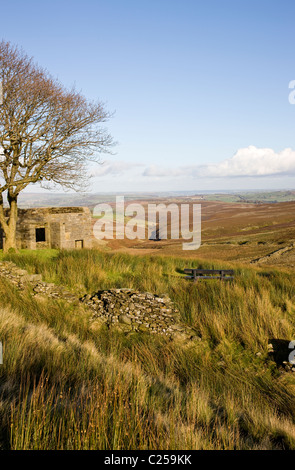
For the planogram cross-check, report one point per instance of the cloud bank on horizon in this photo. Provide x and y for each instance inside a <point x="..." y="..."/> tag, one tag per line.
<point x="246" y="162"/>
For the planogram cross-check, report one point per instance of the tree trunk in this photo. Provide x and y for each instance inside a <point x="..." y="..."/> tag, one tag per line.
<point x="10" y="229"/>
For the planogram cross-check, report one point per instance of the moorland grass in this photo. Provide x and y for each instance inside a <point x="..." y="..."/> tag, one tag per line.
<point x="69" y="383"/>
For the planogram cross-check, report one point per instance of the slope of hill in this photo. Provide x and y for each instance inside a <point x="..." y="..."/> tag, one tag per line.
<point x="68" y="383"/>
<point x="230" y="232"/>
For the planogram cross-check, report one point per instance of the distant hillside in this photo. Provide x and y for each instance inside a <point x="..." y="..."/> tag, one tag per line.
<point x="253" y="197"/>
<point x="27" y="200"/>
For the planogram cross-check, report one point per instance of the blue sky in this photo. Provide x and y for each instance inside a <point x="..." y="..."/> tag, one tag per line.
<point x="199" y="88"/>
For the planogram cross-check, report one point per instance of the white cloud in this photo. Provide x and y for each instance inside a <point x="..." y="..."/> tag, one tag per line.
<point x="253" y="161"/>
<point x="157" y="171"/>
<point x="114" y="168"/>
<point x="250" y="161"/>
<point x="246" y="162"/>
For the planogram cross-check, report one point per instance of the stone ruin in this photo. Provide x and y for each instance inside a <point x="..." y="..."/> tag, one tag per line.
<point x="136" y="311"/>
<point x="22" y="279"/>
<point x="52" y="227"/>
<point x="124" y="309"/>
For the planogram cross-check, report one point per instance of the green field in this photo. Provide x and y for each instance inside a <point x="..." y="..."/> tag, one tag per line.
<point x="69" y="383"/>
<point x="253" y="196"/>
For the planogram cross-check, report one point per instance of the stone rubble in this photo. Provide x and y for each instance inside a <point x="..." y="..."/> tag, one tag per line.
<point x="21" y="278"/>
<point x="125" y="309"/>
<point x="135" y="311"/>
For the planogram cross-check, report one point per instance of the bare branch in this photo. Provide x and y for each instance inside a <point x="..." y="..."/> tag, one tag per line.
<point x="47" y="133"/>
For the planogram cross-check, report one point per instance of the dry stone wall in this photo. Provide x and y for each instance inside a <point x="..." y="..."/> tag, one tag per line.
<point x="21" y="279"/>
<point x="136" y="311"/>
<point x="125" y="309"/>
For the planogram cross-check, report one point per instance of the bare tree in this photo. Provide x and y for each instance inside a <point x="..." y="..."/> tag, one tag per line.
<point x="48" y="134"/>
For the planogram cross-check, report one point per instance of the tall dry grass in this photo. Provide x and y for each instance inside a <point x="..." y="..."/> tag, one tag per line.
<point x="69" y="383"/>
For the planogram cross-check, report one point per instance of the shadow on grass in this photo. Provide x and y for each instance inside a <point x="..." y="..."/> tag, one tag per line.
<point x="281" y="350"/>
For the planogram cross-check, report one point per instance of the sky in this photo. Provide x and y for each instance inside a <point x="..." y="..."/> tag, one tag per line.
<point x="199" y="90"/>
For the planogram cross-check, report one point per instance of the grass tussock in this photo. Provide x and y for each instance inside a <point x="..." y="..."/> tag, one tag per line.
<point x="67" y="383"/>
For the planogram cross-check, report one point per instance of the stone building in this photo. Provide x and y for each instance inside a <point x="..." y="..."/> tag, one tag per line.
<point x="53" y="227"/>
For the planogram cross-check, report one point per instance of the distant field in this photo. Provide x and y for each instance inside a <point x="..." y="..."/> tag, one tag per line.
<point x="230" y="231"/>
<point x="256" y="197"/>
<point x="27" y="200"/>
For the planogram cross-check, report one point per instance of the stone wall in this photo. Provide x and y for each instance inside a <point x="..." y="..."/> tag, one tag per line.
<point x="22" y="279"/>
<point x="125" y="309"/>
<point x="61" y="227"/>
<point x="136" y="311"/>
